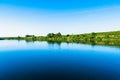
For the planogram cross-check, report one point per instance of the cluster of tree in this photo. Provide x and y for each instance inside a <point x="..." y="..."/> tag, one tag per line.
<point x="51" y="35"/>
<point x="104" y="38"/>
<point x="29" y="36"/>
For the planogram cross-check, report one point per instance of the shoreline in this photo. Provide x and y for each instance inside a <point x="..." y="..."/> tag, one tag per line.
<point x="102" y="38"/>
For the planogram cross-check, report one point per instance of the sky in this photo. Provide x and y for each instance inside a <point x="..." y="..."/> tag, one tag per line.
<point x="40" y="17"/>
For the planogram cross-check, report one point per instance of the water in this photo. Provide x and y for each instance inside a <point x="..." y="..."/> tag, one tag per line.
<point x="20" y="60"/>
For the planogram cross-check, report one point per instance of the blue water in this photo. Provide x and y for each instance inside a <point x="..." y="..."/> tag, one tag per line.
<point x="20" y="60"/>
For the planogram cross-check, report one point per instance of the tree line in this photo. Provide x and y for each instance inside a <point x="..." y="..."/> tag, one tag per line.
<point x="102" y="38"/>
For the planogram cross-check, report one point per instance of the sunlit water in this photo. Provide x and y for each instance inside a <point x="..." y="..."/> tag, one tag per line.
<point x="20" y="60"/>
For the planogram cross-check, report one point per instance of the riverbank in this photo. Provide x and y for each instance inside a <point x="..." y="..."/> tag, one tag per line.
<point x="101" y="38"/>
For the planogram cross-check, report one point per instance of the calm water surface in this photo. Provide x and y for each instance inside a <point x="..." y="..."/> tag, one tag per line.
<point x="20" y="60"/>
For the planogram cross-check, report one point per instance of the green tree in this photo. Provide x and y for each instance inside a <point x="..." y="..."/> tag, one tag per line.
<point x="58" y="34"/>
<point x="50" y="35"/>
<point x="67" y="35"/>
<point x="93" y="35"/>
<point x="29" y="36"/>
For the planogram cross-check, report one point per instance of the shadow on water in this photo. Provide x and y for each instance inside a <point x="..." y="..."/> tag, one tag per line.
<point x="55" y="45"/>
<point x="52" y="42"/>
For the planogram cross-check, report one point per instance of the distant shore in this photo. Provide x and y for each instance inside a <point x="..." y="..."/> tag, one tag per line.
<point x="103" y="38"/>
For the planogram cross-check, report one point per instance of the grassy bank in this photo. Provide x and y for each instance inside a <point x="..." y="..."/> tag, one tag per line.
<point x="102" y="38"/>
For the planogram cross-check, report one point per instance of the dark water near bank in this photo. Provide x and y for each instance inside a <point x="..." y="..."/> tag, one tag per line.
<point x="20" y="60"/>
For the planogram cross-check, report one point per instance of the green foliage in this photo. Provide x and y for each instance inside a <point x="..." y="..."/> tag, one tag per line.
<point x="58" y="34"/>
<point x="103" y="38"/>
<point x="29" y="36"/>
<point x="50" y="35"/>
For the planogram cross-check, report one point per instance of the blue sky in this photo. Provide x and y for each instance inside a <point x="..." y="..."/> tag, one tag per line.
<point x="39" y="17"/>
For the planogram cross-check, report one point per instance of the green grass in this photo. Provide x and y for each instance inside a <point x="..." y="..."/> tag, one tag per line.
<point x="103" y="38"/>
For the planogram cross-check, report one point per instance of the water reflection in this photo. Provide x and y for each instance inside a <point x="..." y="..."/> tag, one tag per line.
<point x="37" y="45"/>
<point x="21" y="60"/>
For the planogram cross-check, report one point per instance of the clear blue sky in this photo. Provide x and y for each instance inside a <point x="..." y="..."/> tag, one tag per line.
<point x="39" y="17"/>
